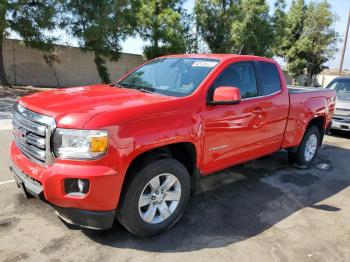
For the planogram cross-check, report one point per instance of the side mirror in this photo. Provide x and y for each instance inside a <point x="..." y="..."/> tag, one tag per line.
<point x="226" y="95"/>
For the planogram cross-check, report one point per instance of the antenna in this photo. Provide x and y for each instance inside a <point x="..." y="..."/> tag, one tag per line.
<point x="240" y="51"/>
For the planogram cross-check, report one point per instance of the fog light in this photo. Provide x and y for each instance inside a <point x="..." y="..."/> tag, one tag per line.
<point x="83" y="185"/>
<point x="75" y="186"/>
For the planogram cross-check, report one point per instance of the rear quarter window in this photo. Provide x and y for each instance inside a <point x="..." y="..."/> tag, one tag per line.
<point x="270" y="79"/>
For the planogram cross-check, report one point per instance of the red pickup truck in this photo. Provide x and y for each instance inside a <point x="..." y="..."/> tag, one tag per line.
<point x="134" y="150"/>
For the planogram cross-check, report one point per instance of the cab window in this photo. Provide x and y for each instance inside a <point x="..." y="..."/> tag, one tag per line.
<point x="270" y="79"/>
<point x="240" y="75"/>
<point x="340" y="85"/>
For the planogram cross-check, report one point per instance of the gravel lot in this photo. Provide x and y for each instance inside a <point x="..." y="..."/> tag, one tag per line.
<point x="264" y="210"/>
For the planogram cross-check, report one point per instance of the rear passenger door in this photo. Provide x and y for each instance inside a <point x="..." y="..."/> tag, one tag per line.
<point x="275" y="105"/>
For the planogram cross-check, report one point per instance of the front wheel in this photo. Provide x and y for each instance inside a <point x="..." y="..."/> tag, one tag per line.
<point x="155" y="198"/>
<point x="307" y="150"/>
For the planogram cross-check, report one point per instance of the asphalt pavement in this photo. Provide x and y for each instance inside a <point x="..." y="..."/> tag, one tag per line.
<point x="264" y="210"/>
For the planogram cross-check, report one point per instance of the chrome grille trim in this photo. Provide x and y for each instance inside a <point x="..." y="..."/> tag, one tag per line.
<point x="30" y="151"/>
<point x="36" y="141"/>
<point x="37" y="129"/>
<point x="30" y="126"/>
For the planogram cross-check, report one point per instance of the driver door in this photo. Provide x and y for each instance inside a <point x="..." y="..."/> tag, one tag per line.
<point x="233" y="133"/>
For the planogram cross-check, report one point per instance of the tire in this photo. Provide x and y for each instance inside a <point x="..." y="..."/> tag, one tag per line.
<point x="303" y="158"/>
<point x="133" y="213"/>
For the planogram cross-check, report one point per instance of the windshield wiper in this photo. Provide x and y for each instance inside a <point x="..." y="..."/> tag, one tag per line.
<point x="144" y="90"/>
<point x="135" y="87"/>
<point x="122" y="85"/>
<point x="138" y="88"/>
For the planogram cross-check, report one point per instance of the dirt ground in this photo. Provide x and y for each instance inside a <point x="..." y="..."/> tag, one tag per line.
<point x="264" y="210"/>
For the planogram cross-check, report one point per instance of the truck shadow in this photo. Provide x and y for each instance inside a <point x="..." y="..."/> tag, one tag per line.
<point x="341" y="134"/>
<point x="243" y="201"/>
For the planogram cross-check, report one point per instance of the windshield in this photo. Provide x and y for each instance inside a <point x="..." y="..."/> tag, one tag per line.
<point x="170" y="76"/>
<point x="341" y="86"/>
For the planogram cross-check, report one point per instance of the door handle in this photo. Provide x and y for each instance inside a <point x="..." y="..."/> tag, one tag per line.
<point x="258" y="117"/>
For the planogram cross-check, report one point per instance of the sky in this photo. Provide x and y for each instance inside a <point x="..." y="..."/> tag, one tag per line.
<point x="340" y="7"/>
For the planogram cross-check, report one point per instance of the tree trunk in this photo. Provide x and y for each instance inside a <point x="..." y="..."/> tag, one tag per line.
<point x="156" y="29"/>
<point x="55" y="74"/>
<point x="3" y="77"/>
<point x="101" y="69"/>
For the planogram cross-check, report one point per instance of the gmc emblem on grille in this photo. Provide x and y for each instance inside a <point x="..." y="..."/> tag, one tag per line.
<point x="21" y="133"/>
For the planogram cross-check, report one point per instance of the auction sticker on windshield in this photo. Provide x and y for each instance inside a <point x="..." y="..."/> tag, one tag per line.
<point x="204" y="64"/>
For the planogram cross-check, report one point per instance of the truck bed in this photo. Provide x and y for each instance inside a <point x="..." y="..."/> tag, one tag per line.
<point x="307" y="103"/>
<point x="298" y="90"/>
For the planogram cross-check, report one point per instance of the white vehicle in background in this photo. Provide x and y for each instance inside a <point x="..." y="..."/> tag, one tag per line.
<point x="341" y="117"/>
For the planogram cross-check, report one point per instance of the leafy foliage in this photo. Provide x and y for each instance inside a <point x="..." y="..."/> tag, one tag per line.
<point x="235" y="26"/>
<point x="256" y="30"/>
<point x="318" y="40"/>
<point x="160" y="22"/>
<point x="30" y="20"/>
<point x="309" y="39"/>
<point x="98" y="26"/>
<point x="279" y="25"/>
<point x="303" y="36"/>
<point x="215" y="20"/>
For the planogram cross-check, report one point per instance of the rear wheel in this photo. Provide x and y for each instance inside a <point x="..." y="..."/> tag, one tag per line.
<point x="307" y="150"/>
<point x="155" y="198"/>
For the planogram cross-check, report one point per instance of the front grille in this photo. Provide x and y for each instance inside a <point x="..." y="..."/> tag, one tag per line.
<point x="342" y="112"/>
<point x="343" y="120"/>
<point x="32" y="134"/>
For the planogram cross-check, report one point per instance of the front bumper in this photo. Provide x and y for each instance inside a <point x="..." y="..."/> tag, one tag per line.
<point x="341" y="123"/>
<point x="97" y="220"/>
<point x="95" y="209"/>
<point x="28" y="184"/>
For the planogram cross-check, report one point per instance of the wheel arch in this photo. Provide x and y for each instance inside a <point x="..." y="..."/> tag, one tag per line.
<point x="185" y="152"/>
<point x="318" y="122"/>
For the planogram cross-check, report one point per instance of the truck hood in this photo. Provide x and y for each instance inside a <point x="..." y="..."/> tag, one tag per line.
<point x="73" y="107"/>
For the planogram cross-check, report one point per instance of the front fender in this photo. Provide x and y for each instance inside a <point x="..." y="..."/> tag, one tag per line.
<point x="136" y="136"/>
<point x="156" y="131"/>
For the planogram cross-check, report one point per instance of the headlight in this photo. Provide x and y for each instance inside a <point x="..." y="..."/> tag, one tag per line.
<point x="80" y="144"/>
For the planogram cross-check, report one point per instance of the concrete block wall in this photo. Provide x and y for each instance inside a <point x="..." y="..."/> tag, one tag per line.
<point x="26" y="66"/>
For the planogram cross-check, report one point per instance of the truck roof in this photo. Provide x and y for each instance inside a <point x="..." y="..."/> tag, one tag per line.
<point x="220" y="57"/>
<point x="341" y="78"/>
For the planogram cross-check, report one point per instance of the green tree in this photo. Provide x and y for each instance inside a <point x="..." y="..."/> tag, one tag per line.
<point x="189" y="31"/>
<point x="215" y="19"/>
<point x="235" y="26"/>
<point x="30" y="20"/>
<point x="279" y="25"/>
<point x="319" y="38"/>
<point x="159" y="23"/>
<point x="295" y="23"/>
<point x="254" y="30"/>
<point x="310" y="40"/>
<point x="290" y="49"/>
<point x="98" y="26"/>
